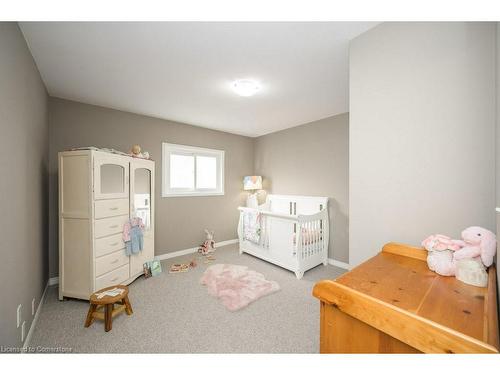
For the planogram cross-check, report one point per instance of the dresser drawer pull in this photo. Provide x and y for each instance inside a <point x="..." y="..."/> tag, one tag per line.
<point x="113" y="208"/>
<point x="116" y="278"/>
<point x="113" y="244"/>
<point x="115" y="261"/>
<point x="113" y="226"/>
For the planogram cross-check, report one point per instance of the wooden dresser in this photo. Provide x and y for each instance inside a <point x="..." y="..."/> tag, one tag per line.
<point x="393" y="303"/>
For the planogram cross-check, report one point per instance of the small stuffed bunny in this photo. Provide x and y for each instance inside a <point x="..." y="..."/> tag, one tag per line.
<point x="479" y="242"/>
<point x="208" y="246"/>
<point x="472" y="260"/>
<point x="210" y="234"/>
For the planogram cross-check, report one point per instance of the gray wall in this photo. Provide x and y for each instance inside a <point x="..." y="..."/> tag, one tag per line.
<point x="422" y="133"/>
<point x="23" y="186"/>
<point x="179" y="221"/>
<point x="311" y="159"/>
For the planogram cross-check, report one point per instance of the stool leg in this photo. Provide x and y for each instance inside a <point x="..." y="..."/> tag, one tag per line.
<point x="90" y="315"/>
<point x="128" y="306"/>
<point x="108" y="317"/>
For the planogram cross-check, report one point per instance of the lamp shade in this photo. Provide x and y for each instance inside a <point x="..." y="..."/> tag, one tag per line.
<point x="252" y="182"/>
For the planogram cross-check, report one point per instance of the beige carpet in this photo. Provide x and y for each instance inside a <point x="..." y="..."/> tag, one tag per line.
<point x="173" y="313"/>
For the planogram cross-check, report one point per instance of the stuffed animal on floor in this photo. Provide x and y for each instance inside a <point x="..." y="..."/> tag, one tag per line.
<point x="467" y="259"/>
<point x="208" y="246"/>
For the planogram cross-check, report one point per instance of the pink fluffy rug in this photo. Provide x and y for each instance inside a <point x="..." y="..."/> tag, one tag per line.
<point x="236" y="286"/>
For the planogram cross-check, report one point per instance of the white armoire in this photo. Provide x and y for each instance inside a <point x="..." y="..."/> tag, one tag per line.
<point x="98" y="193"/>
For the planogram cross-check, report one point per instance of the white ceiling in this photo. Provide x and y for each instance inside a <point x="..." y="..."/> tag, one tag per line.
<point x="182" y="71"/>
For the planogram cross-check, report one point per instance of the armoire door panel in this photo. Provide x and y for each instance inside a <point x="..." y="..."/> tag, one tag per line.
<point x="111" y="176"/>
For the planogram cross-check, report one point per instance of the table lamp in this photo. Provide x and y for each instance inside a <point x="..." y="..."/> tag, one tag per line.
<point x="252" y="183"/>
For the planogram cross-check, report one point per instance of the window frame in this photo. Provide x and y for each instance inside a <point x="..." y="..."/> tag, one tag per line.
<point x="172" y="148"/>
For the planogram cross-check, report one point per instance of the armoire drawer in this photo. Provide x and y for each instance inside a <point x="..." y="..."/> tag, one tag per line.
<point x="109" y="244"/>
<point x="108" y="226"/>
<point x="110" y="262"/>
<point x="112" y="278"/>
<point x="111" y="207"/>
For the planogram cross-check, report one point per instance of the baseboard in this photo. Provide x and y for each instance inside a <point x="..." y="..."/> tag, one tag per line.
<point x="338" y="263"/>
<point x="192" y="250"/>
<point x="228" y="242"/>
<point x="35" y="318"/>
<point x="55" y="280"/>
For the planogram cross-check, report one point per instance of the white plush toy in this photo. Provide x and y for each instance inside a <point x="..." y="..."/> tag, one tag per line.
<point x="208" y="246"/>
<point x="440" y="256"/>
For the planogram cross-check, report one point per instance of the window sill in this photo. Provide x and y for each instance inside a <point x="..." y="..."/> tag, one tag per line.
<point x="190" y="194"/>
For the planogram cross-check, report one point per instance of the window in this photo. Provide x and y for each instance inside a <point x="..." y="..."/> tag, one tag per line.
<point x="191" y="171"/>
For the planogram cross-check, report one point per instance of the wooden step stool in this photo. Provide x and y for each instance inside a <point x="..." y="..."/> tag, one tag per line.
<point x="108" y="302"/>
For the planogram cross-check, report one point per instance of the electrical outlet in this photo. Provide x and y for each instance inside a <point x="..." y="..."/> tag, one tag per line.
<point x="19" y="311"/>
<point x="22" y="331"/>
<point x="33" y="307"/>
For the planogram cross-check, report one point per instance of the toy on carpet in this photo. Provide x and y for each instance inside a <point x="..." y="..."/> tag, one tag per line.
<point x="179" y="267"/>
<point x="466" y="259"/>
<point x="208" y="247"/>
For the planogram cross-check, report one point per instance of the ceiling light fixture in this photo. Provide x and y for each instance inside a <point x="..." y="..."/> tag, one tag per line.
<point x="245" y="87"/>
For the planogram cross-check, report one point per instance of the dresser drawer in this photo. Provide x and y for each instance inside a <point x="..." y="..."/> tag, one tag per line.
<point x="111" y="207"/>
<point x="110" y="262"/>
<point x="109" y="244"/>
<point x="112" y="278"/>
<point x="109" y="226"/>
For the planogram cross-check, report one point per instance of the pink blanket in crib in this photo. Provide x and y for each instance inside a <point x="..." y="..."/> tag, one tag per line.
<point x="236" y="286"/>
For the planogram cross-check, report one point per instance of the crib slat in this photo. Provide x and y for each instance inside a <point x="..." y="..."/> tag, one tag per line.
<point x="319" y="237"/>
<point x="314" y="238"/>
<point x="311" y="237"/>
<point x="308" y="243"/>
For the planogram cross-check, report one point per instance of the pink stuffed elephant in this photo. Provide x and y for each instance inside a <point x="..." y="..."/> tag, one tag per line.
<point x="467" y="259"/>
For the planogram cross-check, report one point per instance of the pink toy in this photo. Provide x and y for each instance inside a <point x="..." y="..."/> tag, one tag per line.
<point x="466" y="259"/>
<point x="440" y="242"/>
<point x="478" y="242"/>
<point x="208" y="246"/>
<point x="440" y="256"/>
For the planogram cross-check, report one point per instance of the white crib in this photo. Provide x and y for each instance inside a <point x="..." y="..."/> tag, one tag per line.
<point x="290" y="231"/>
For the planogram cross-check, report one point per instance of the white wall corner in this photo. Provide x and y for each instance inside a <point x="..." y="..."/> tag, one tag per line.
<point x="338" y="263"/>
